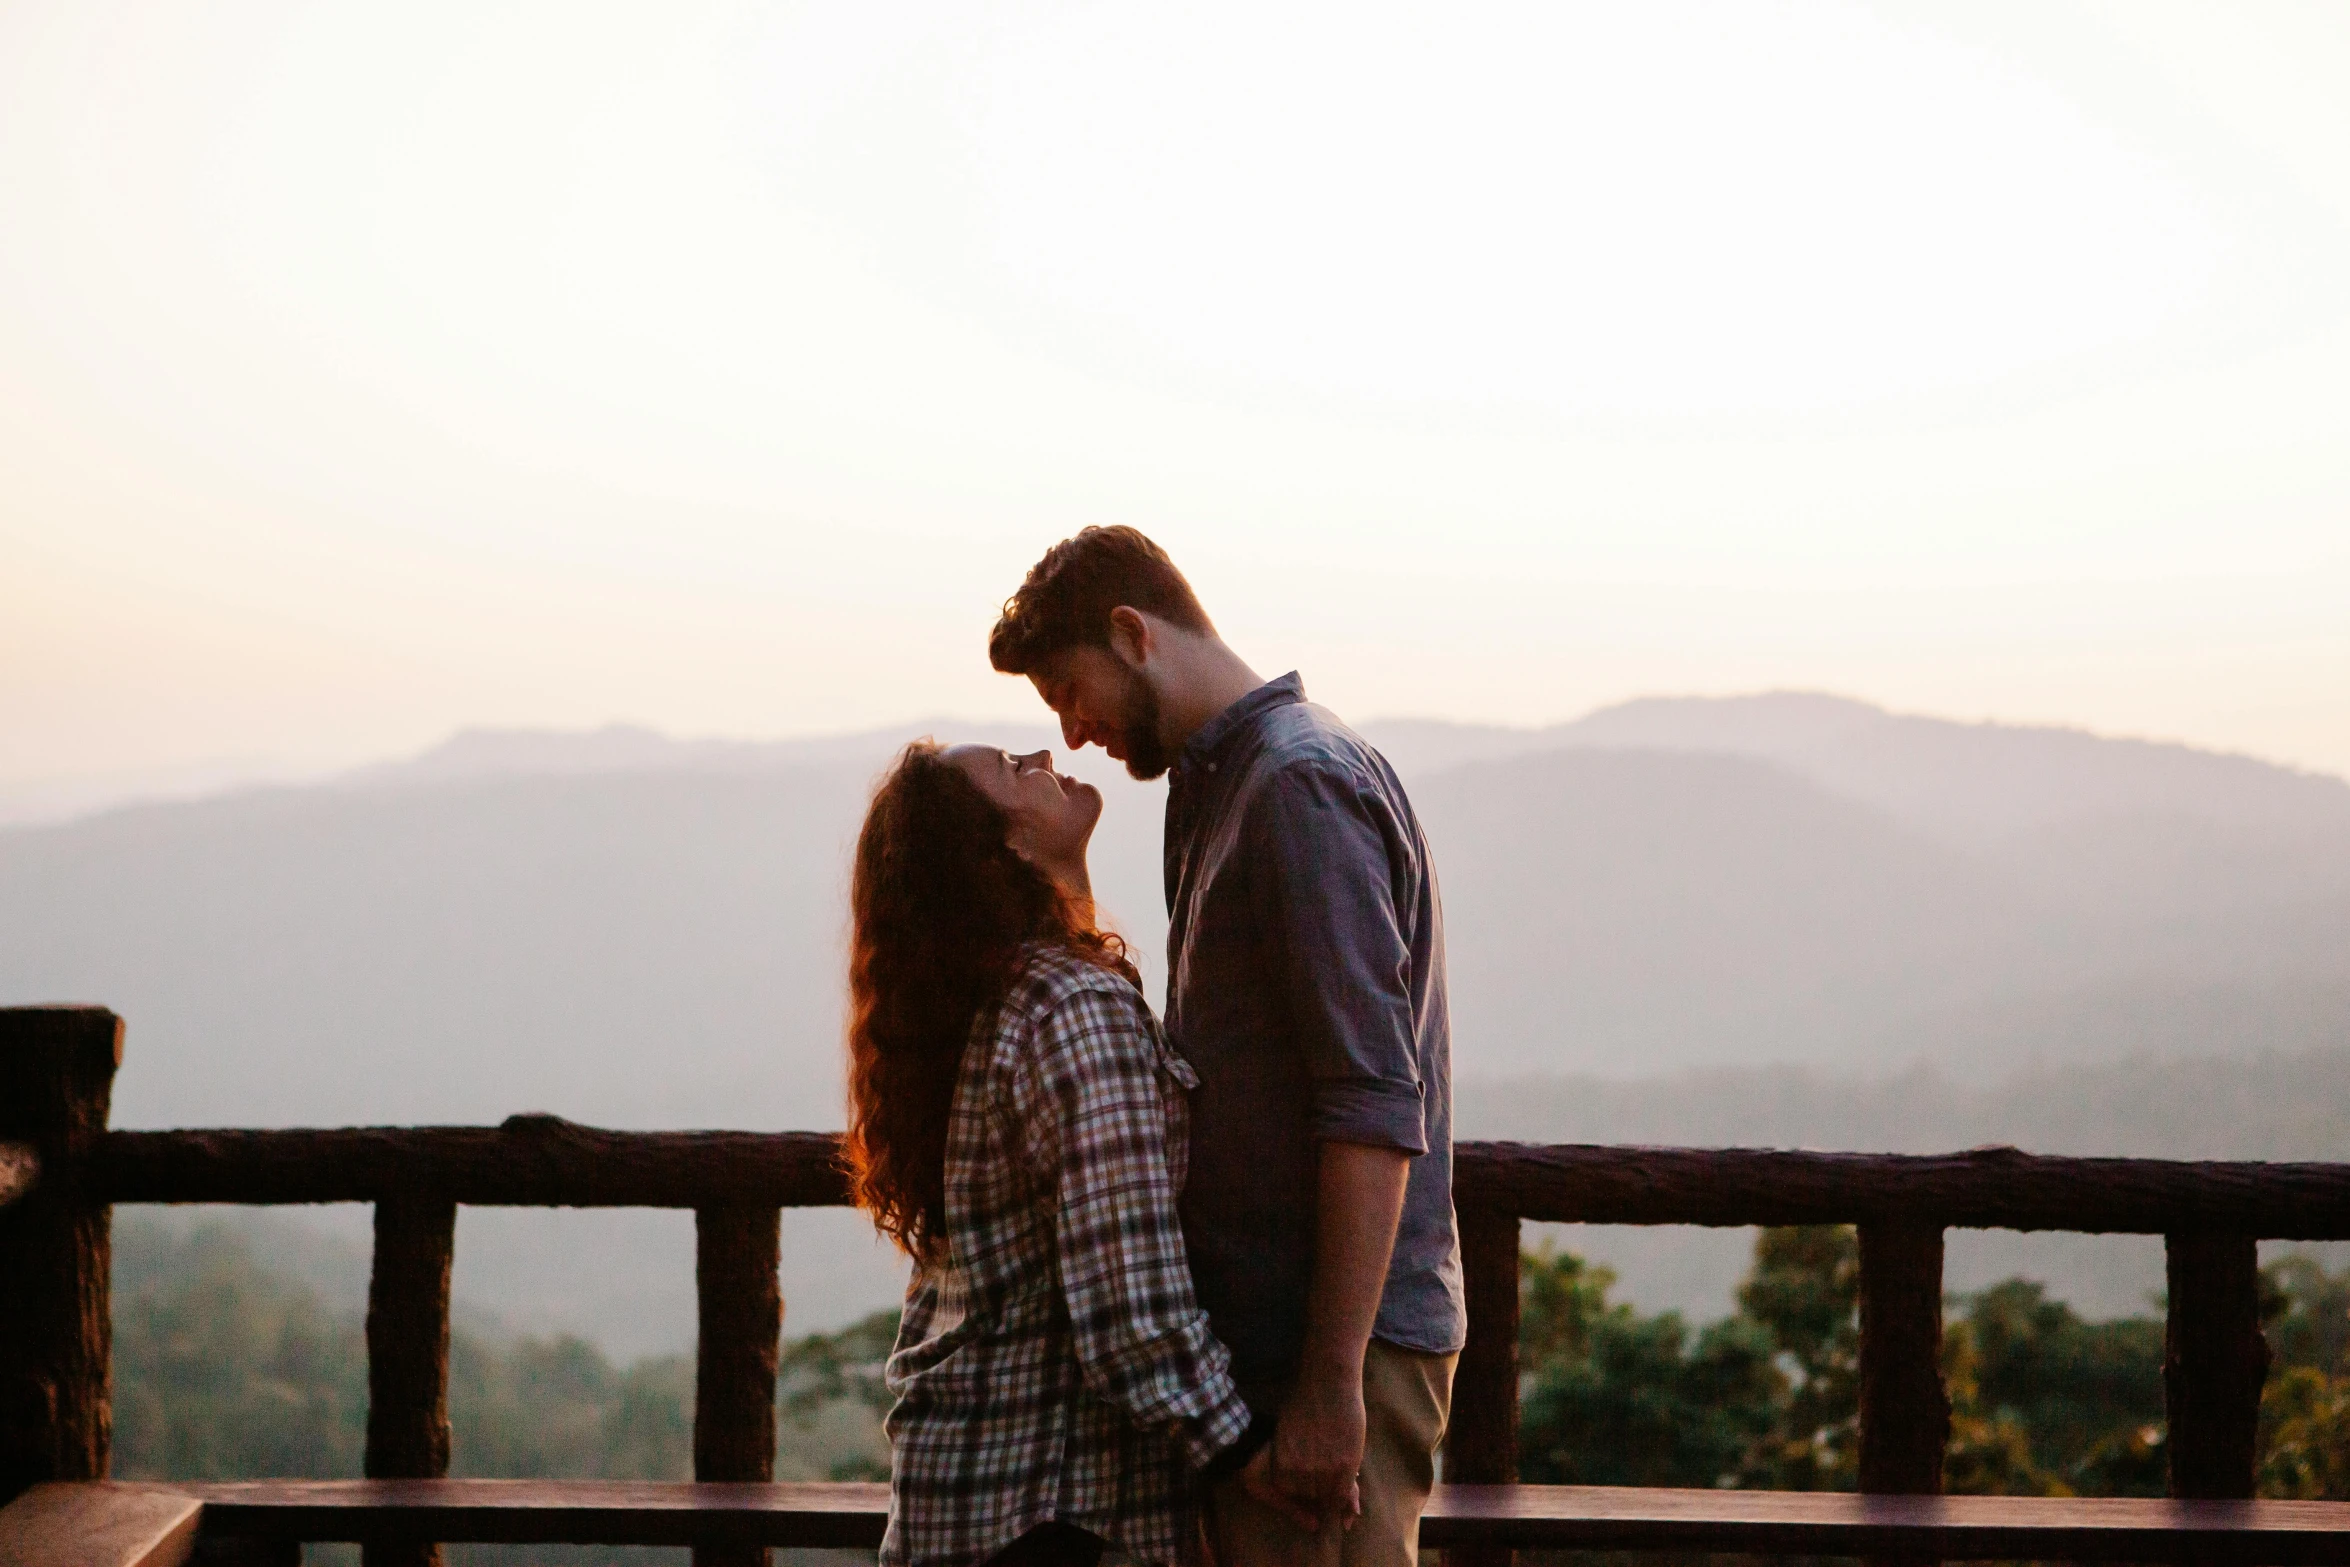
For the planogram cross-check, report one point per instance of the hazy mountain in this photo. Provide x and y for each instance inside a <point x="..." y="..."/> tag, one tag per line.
<point x="2266" y="1105"/>
<point x="635" y="931"/>
<point x="621" y="929"/>
<point x="1639" y="911"/>
<point x="1974" y="783"/>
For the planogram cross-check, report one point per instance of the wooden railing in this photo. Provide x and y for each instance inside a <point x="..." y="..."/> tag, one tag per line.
<point x="61" y="1170"/>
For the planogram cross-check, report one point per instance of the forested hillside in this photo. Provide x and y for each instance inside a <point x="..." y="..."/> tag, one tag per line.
<point x="227" y="1367"/>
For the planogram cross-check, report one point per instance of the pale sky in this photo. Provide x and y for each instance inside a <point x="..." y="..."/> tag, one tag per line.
<point x="367" y="370"/>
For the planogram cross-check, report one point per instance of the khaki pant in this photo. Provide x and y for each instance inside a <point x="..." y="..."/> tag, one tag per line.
<point x="1407" y="1397"/>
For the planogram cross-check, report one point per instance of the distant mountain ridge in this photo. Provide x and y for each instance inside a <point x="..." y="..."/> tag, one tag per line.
<point x="1969" y="782"/>
<point x="1665" y="884"/>
<point x="636" y="931"/>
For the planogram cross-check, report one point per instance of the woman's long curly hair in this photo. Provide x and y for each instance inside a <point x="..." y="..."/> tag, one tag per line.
<point x="940" y="907"/>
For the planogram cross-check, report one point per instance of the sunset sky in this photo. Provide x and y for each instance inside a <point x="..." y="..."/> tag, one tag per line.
<point x="367" y="371"/>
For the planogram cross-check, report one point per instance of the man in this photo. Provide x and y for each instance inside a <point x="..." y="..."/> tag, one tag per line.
<point x="1305" y="984"/>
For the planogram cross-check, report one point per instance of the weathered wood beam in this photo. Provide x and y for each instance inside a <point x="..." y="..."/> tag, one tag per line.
<point x="1481" y="1440"/>
<point x="1831" y="1523"/>
<point x="535" y="1160"/>
<point x="57" y="1069"/>
<point x="1904" y="1409"/>
<point x="408" y="1355"/>
<point x="2214" y="1360"/>
<point x="821" y="1514"/>
<point x="736" y="1255"/>
<point x="529" y="1161"/>
<point x="1528" y="1517"/>
<point x="216" y="1550"/>
<point x="98" y="1524"/>
<point x="1984" y="1188"/>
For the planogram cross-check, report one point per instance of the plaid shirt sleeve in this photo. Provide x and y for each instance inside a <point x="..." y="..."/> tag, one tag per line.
<point x="1098" y="1117"/>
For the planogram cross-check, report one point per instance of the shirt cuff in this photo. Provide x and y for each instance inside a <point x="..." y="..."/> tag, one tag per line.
<point x="1234" y="1458"/>
<point x="1382" y="1114"/>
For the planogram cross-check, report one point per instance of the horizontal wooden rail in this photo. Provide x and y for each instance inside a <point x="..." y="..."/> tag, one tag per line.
<point x="548" y="1512"/>
<point x="1491" y="1517"/>
<point x="93" y="1523"/>
<point x="1911" y="1528"/>
<point x="539" y="1161"/>
<point x="1984" y="1188"/>
<point x="544" y="1161"/>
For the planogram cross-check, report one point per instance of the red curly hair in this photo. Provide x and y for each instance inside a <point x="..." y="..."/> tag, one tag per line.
<point x="940" y="907"/>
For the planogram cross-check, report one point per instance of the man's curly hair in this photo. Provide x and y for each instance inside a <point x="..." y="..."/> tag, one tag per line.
<point x="1067" y="598"/>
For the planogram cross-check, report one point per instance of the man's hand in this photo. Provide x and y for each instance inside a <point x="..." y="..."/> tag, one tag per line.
<point x="1258" y="1479"/>
<point x="1317" y="1446"/>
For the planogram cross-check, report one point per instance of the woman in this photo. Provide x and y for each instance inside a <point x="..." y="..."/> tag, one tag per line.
<point x="1018" y="1125"/>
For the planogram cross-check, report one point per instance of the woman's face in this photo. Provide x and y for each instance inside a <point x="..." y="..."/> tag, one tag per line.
<point x="1051" y="816"/>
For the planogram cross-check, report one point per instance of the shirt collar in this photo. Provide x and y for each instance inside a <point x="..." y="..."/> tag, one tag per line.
<point x="1212" y="736"/>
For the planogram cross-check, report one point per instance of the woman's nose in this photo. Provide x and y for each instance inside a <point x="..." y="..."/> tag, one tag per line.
<point x="1043" y="759"/>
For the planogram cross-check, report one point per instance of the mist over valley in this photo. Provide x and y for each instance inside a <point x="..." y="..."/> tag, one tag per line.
<point x="1782" y="919"/>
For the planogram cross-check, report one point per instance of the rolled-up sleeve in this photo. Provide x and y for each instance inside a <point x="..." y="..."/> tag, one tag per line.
<point x="1324" y="847"/>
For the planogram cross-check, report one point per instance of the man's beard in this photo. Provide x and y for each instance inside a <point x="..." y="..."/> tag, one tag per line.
<point x="1138" y="730"/>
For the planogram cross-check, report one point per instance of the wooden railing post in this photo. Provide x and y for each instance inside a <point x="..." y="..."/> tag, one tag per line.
<point x="56" y="1248"/>
<point x="736" y="1254"/>
<point x="1904" y="1409"/>
<point x="2214" y="1360"/>
<point x="1481" y="1440"/>
<point x="408" y="1355"/>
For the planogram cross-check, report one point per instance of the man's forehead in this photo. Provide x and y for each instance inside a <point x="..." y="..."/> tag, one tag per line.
<point x="1046" y="675"/>
<point x="1054" y="673"/>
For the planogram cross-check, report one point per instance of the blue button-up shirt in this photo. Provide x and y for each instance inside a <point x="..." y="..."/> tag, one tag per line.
<point x="1305" y="984"/>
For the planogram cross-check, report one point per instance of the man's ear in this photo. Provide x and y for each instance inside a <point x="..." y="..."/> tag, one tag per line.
<point x="1132" y="636"/>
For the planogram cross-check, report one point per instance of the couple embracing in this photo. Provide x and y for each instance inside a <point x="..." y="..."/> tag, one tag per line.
<point x="1179" y="1289"/>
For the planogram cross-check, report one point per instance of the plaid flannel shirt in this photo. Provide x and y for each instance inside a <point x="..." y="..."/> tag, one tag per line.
<point x="1053" y="1362"/>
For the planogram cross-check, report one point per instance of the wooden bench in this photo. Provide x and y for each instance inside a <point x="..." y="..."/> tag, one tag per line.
<point x="116" y="1524"/>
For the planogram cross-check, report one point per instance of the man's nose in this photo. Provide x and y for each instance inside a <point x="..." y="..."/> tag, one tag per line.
<point x="1072" y="731"/>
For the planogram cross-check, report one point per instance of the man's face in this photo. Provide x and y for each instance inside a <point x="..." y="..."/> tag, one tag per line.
<point x="1101" y="700"/>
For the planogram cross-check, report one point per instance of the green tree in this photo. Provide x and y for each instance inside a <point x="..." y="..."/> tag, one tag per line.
<point x="223" y="1370"/>
<point x="2305" y="1408"/>
<point x="557" y="1408"/>
<point x="1804" y="1295"/>
<point x="2306" y="1314"/>
<point x="832" y="1401"/>
<point x="226" y="1369"/>
<point x="1614" y="1398"/>
<point x="2044" y="1403"/>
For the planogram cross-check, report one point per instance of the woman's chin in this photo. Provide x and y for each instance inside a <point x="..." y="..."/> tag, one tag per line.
<point x="1092" y="801"/>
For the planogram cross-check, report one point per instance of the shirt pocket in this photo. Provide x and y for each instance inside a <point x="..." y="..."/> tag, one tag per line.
<point x="1177" y="1082"/>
